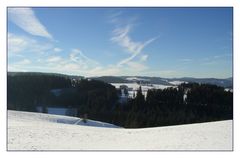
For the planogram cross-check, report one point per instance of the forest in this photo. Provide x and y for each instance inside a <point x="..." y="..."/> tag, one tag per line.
<point x="99" y="100"/>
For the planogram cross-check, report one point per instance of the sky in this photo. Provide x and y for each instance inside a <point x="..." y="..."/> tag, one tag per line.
<point x="160" y="42"/>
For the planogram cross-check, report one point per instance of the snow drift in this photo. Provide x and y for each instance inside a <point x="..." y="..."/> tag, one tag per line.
<point x="36" y="131"/>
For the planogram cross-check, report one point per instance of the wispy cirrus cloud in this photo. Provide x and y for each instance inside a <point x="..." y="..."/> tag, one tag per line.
<point x="122" y="38"/>
<point x="113" y="16"/>
<point x="144" y="57"/>
<point x="76" y="62"/>
<point x="19" y="44"/>
<point x="134" y="63"/>
<point x="26" y="19"/>
<point x="77" y="56"/>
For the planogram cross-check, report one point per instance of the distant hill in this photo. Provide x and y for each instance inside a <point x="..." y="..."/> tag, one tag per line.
<point x="43" y="73"/>
<point x="152" y="80"/>
<point x="227" y="83"/>
<point x="111" y="79"/>
<point x="131" y="79"/>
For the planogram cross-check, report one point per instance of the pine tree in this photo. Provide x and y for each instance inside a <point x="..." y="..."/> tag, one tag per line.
<point x="140" y="101"/>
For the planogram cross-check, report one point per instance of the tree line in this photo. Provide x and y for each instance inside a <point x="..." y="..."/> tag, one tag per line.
<point x="163" y="107"/>
<point x="99" y="100"/>
<point x="26" y="90"/>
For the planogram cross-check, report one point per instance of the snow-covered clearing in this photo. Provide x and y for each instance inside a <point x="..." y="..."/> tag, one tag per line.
<point x="135" y="86"/>
<point x="137" y="79"/>
<point x="177" y="82"/>
<point x="35" y="131"/>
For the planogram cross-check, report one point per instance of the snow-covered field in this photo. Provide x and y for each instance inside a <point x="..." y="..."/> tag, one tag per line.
<point x="136" y="86"/>
<point x="133" y="87"/>
<point x="35" y="131"/>
<point x="177" y="82"/>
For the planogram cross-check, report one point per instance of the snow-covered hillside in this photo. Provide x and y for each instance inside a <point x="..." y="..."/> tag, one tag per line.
<point x="35" y="131"/>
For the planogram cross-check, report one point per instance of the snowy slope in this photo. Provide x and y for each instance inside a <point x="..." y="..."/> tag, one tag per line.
<point x="19" y="116"/>
<point x="34" y="131"/>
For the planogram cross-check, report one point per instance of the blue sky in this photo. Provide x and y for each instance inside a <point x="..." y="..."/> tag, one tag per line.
<point x="164" y="42"/>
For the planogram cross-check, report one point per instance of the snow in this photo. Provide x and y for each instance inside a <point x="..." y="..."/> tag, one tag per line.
<point x="133" y="87"/>
<point x="35" y="131"/>
<point x="177" y="82"/>
<point x="137" y="79"/>
<point x="49" y="118"/>
<point x="160" y="86"/>
<point x="228" y="89"/>
<point x="144" y="87"/>
<point x="59" y="111"/>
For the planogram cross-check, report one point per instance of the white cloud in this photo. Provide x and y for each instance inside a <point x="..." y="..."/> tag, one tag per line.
<point x="22" y="44"/>
<point x="114" y="17"/>
<point x="131" y="68"/>
<point x="136" y="66"/>
<point x="26" y="19"/>
<point x="74" y="55"/>
<point x="57" y="49"/>
<point x="104" y="71"/>
<point x="77" y="56"/>
<point x="19" y="65"/>
<point x="144" y="57"/>
<point x="17" y="44"/>
<point x="71" y="67"/>
<point x="122" y="38"/>
<point x="54" y="59"/>
<point x="24" y="62"/>
<point x="134" y="63"/>
<point x="16" y="68"/>
<point x="75" y="63"/>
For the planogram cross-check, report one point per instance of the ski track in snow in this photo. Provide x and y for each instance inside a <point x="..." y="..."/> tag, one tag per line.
<point x="35" y="131"/>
